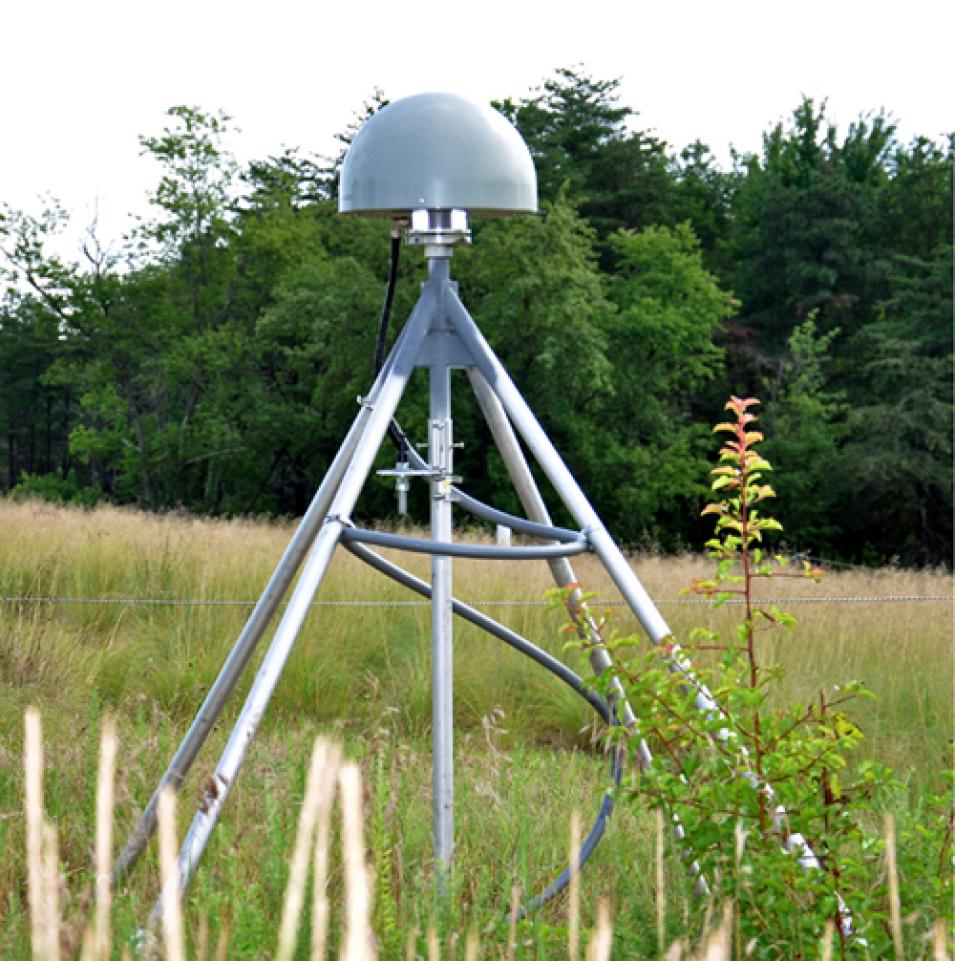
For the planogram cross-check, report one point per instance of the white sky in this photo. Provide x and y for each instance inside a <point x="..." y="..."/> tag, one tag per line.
<point x="80" y="80"/>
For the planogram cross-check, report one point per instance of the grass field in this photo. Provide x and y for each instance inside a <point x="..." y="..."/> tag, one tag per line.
<point x="526" y="753"/>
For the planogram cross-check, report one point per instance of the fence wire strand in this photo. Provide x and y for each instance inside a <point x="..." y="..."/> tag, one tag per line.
<point x="214" y="602"/>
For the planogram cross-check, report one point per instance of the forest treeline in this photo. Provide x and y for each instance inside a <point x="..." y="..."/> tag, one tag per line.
<point x="212" y="360"/>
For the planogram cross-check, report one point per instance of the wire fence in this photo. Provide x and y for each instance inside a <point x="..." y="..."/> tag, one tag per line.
<point x="594" y="602"/>
<point x="794" y="555"/>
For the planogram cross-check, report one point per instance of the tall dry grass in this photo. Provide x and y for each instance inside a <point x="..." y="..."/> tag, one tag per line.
<point x="50" y="939"/>
<point x="354" y="662"/>
<point x="343" y="892"/>
<point x="363" y="674"/>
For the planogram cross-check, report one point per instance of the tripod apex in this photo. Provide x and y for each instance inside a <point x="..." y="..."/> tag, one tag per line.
<point x="438" y="151"/>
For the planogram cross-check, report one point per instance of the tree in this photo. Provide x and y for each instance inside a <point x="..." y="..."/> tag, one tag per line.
<point x="144" y="346"/>
<point x="577" y="133"/>
<point x="377" y="101"/>
<point x="289" y="180"/>
<point x="915" y="202"/>
<point x="805" y="421"/>
<point x="34" y="413"/>
<point x="897" y="464"/>
<point x="211" y="362"/>
<point x="662" y="341"/>
<point x="314" y="346"/>
<point x="855" y="233"/>
<point x="45" y="300"/>
<point x="803" y="237"/>
<point x="533" y="286"/>
<point x="566" y="125"/>
<point x="702" y="196"/>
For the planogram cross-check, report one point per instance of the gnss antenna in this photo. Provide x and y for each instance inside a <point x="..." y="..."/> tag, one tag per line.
<point x="428" y="162"/>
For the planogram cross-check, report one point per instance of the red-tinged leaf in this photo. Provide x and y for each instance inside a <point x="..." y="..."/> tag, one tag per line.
<point x="738" y="404"/>
<point x="729" y="471"/>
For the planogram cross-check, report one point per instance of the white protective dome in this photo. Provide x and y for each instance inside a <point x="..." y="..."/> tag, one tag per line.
<point x="438" y="151"/>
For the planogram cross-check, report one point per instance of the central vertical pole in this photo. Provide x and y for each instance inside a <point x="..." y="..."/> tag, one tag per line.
<point x="440" y="457"/>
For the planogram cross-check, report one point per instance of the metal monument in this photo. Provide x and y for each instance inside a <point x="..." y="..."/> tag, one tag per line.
<point x="428" y="162"/>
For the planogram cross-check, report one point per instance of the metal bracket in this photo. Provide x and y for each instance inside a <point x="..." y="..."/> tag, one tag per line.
<point x="439" y="231"/>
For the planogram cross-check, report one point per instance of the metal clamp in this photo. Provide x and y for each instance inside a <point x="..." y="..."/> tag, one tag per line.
<point x="438" y="231"/>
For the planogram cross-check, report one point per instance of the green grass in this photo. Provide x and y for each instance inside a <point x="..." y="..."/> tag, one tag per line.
<point x="512" y="811"/>
<point x="525" y="749"/>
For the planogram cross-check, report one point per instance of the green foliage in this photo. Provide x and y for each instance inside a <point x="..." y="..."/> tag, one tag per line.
<point x="188" y="366"/>
<point x="807" y="424"/>
<point x="802" y="226"/>
<point x="567" y="125"/>
<point x="534" y="288"/>
<point x="315" y="345"/>
<point x="703" y="194"/>
<point x="193" y="191"/>
<point x="771" y="806"/>
<point x="900" y="431"/>
<point x="669" y="311"/>
<point x="853" y="232"/>
<point x="578" y="135"/>
<point x="56" y="488"/>
<point x="35" y="412"/>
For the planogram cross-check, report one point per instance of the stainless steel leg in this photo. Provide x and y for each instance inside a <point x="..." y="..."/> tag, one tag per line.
<point x="611" y="556"/>
<point x="251" y="634"/>
<point x="242" y="651"/>
<point x="564" y="576"/>
<point x="386" y="400"/>
<point x="569" y="491"/>
<point x="561" y="569"/>
<point x="439" y="454"/>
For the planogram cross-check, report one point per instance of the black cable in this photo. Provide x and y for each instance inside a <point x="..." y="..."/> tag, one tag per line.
<point x="520" y="525"/>
<point x="496" y="629"/>
<point x="420" y="545"/>
<point x="397" y="435"/>
<point x="545" y="660"/>
<point x="389" y="299"/>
